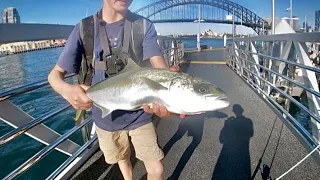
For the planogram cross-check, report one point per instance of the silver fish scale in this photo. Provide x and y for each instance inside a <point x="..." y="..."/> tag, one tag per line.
<point x="127" y="90"/>
<point x="131" y="89"/>
<point x="163" y="77"/>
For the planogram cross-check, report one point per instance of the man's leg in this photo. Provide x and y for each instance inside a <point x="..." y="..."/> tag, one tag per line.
<point x="116" y="149"/>
<point x="126" y="168"/>
<point x="154" y="169"/>
<point x="144" y="140"/>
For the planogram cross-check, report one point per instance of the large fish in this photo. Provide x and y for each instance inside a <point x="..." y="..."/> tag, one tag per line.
<point x="178" y="91"/>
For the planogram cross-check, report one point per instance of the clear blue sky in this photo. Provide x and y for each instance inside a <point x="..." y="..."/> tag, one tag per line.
<point x="71" y="11"/>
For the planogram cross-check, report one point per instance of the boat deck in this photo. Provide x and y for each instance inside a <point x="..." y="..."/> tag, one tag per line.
<point x="247" y="140"/>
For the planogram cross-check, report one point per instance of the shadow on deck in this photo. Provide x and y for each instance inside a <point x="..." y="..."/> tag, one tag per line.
<point x="247" y="140"/>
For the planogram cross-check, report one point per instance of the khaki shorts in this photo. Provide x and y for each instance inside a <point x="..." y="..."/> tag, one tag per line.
<point x="116" y="146"/>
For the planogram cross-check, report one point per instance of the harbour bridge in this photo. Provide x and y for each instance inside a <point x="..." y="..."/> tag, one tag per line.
<point x="213" y="11"/>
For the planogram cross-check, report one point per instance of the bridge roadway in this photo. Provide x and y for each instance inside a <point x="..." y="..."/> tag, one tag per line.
<point x="245" y="140"/>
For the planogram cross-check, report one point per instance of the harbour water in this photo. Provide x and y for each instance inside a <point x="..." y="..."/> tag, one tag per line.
<point x="191" y="42"/>
<point x="20" y="69"/>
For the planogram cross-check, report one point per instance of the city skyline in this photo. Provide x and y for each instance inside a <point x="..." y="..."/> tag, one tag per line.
<point x="58" y="12"/>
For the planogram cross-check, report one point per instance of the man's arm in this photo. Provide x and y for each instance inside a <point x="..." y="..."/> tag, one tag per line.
<point x="69" y="61"/>
<point x="74" y="94"/>
<point x="159" y="62"/>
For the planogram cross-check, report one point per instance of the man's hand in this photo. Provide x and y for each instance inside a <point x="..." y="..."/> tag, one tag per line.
<point x="76" y="96"/>
<point x="175" y="68"/>
<point x="160" y="111"/>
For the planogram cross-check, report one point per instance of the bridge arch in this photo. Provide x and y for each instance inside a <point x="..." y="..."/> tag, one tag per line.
<point x="249" y="18"/>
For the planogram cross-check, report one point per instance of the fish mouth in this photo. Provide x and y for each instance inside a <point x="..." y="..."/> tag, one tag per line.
<point x="219" y="98"/>
<point x="223" y="97"/>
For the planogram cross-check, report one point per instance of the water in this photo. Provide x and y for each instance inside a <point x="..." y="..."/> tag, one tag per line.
<point x="191" y="42"/>
<point x="21" y="69"/>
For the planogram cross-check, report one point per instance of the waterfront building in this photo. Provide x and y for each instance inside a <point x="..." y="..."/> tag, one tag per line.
<point x="18" y="47"/>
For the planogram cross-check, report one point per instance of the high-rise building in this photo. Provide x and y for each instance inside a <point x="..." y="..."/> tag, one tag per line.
<point x="304" y="25"/>
<point x="317" y="21"/>
<point x="10" y="15"/>
<point x="4" y="16"/>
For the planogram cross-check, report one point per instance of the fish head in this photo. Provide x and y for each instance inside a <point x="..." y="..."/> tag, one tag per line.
<point x="196" y="95"/>
<point x="206" y="96"/>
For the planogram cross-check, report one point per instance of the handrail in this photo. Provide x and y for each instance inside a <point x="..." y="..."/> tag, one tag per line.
<point x="40" y="154"/>
<point x="283" y="60"/>
<point x="285" y="94"/>
<point x="315" y="142"/>
<point x="171" y="49"/>
<point x="285" y="77"/>
<point x="300" y="37"/>
<point x="17" y="132"/>
<point x="246" y="61"/>
<point x="72" y="158"/>
<point x="26" y="88"/>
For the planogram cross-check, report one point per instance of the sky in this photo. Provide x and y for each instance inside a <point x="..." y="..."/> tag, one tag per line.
<point x="72" y="11"/>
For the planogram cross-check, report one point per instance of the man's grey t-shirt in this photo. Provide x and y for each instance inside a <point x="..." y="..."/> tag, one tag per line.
<point x="70" y="60"/>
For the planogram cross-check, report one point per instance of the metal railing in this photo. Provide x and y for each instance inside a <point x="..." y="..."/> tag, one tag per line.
<point x="279" y="68"/>
<point x="26" y="88"/>
<point x="40" y="154"/>
<point x="21" y="130"/>
<point x="172" y="55"/>
<point x="72" y="158"/>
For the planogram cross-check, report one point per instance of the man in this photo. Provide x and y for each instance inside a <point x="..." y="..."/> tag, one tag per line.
<point x="114" y="130"/>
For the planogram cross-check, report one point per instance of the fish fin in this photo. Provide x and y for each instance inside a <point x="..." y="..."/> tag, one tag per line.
<point x="131" y="65"/>
<point x="79" y="115"/>
<point x="153" y="84"/>
<point x="104" y="110"/>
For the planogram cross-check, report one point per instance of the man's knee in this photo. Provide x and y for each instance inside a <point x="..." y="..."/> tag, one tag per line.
<point x="154" y="168"/>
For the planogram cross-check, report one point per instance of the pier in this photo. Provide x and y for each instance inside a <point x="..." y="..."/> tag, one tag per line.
<point x="248" y="140"/>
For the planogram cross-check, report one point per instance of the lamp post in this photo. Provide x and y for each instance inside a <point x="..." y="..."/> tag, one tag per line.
<point x="273" y="25"/>
<point x="291" y="20"/>
<point x="290" y="15"/>
<point x="233" y="28"/>
<point x="198" y="36"/>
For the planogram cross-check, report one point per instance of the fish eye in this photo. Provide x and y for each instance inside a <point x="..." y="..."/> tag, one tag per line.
<point x="202" y="90"/>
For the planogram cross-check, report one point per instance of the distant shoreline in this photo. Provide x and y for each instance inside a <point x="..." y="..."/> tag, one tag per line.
<point x="207" y="37"/>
